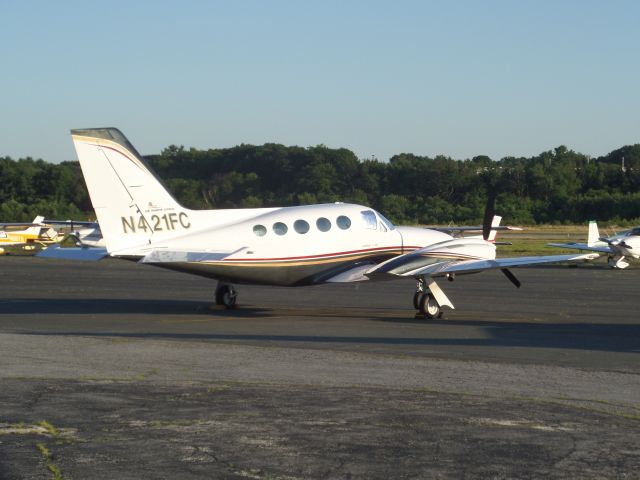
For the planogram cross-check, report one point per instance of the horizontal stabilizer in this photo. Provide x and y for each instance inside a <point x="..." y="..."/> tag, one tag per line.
<point x="176" y="256"/>
<point x="90" y="254"/>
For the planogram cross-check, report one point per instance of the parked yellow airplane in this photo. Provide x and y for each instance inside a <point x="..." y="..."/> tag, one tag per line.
<point x="26" y="235"/>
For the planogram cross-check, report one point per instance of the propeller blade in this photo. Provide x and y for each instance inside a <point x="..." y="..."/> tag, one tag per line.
<point x="489" y="212"/>
<point x="512" y="278"/>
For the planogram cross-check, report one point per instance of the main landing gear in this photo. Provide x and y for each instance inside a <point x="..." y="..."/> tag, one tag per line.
<point x="429" y="298"/>
<point x="424" y="301"/>
<point x="226" y="295"/>
<point x="617" y="261"/>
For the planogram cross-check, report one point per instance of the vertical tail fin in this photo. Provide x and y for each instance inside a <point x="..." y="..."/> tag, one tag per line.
<point x="594" y="235"/>
<point x="133" y="207"/>
<point x="35" y="229"/>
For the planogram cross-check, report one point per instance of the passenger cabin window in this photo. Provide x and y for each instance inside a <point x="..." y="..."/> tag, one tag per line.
<point x="343" y="222"/>
<point x="370" y="220"/>
<point x="280" y="228"/>
<point x="301" y="226"/>
<point x="260" y="230"/>
<point x="323" y="224"/>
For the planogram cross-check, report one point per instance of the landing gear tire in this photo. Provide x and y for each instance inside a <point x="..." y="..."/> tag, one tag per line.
<point x="226" y="295"/>
<point x="429" y="307"/>
<point x="416" y="300"/>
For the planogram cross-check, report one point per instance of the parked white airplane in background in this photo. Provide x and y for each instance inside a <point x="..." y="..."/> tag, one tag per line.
<point x="87" y="235"/>
<point x="617" y="247"/>
<point x="288" y="246"/>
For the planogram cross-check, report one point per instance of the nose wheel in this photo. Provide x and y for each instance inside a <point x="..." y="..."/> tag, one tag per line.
<point x="426" y="304"/>
<point x="429" y="307"/>
<point x="226" y="295"/>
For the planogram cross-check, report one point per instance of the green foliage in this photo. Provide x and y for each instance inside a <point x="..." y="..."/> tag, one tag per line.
<point x="556" y="186"/>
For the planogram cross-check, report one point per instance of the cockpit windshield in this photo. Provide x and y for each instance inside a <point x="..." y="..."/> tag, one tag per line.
<point x="371" y="221"/>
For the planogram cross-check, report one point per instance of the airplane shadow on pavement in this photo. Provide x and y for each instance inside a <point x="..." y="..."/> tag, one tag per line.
<point x="609" y="337"/>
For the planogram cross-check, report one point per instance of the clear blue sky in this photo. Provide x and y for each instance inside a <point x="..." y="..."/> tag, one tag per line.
<point x="459" y="78"/>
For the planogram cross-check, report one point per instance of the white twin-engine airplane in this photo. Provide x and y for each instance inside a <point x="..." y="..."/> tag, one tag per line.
<point x="617" y="247"/>
<point x="290" y="246"/>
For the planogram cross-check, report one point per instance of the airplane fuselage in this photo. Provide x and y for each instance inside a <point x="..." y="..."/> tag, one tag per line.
<point x="295" y="246"/>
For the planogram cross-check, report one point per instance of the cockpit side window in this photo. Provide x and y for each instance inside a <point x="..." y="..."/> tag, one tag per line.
<point x="369" y="219"/>
<point x="386" y="221"/>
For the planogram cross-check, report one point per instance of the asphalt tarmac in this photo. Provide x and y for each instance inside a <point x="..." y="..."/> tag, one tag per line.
<point x="118" y="370"/>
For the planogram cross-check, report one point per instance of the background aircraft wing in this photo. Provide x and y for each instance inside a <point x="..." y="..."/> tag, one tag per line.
<point x="472" y="229"/>
<point x="583" y="246"/>
<point x="70" y="223"/>
<point x="20" y="224"/>
<point x="73" y="253"/>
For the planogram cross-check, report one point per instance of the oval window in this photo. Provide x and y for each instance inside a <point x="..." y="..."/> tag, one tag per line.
<point x="260" y="230"/>
<point x="301" y="226"/>
<point x="280" y="228"/>
<point x="323" y="224"/>
<point x="343" y="222"/>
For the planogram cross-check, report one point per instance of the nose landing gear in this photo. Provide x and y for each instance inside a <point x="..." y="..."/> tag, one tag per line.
<point x="429" y="299"/>
<point x="429" y="307"/>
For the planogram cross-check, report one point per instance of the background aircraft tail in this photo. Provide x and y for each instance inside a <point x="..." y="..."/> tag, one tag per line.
<point x="494" y="223"/>
<point x="594" y="235"/>
<point x="132" y="205"/>
<point x="36" y="227"/>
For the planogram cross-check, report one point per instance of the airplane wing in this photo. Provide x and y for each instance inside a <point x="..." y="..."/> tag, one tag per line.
<point x="70" y="223"/>
<point x="20" y="224"/>
<point x="584" y="246"/>
<point x="355" y="274"/>
<point x="412" y="266"/>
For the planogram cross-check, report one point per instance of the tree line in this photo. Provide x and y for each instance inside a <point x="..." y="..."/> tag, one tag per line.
<point x="556" y="186"/>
